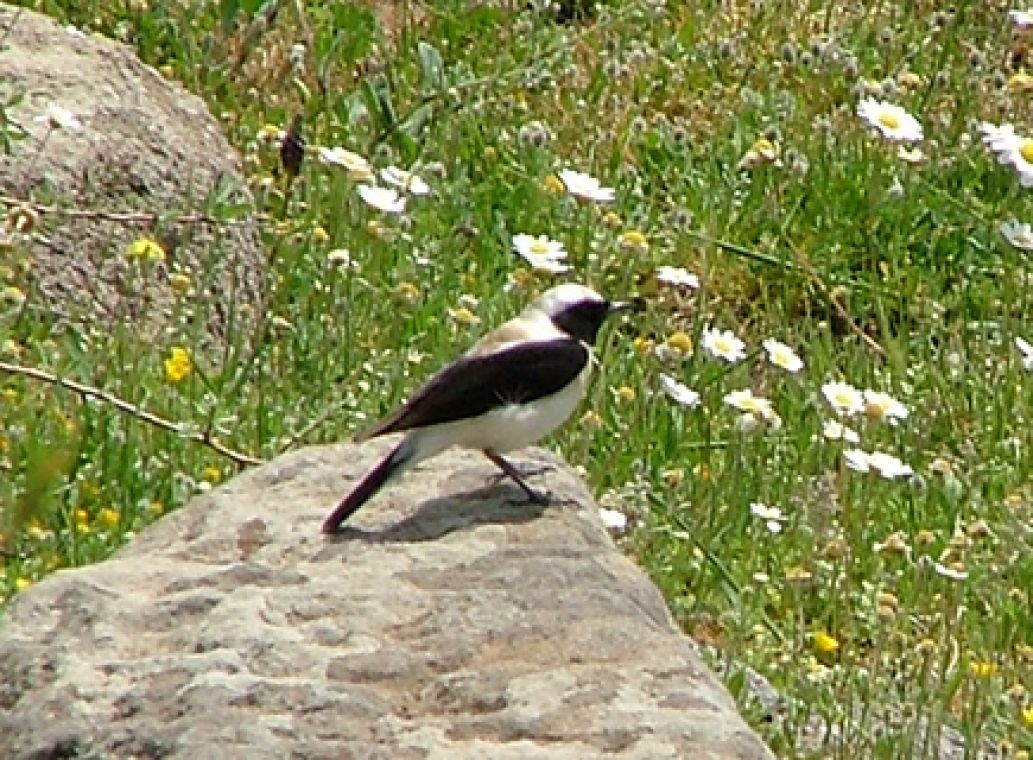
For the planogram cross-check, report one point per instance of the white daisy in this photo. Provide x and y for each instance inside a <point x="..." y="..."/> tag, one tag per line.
<point x="772" y="516"/>
<point x="541" y="252"/>
<point x="358" y="168"/>
<point x="857" y="460"/>
<point x="724" y="344"/>
<point x="679" y="392"/>
<point x="1022" y="20"/>
<point x="782" y="355"/>
<point x="950" y="572"/>
<point x="836" y="431"/>
<point x="1011" y="149"/>
<point x="384" y="199"/>
<point x="679" y="277"/>
<point x="612" y="519"/>
<point x="882" y="407"/>
<point x="341" y="257"/>
<point x="756" y="410"/>
<point x="585" y="186"/>
<point x="892" y="121"/>
<point x="1019" y="234"/>
<point x="845" y="399"/>
<point x="411" y="183"/>
<point x="886" y="465"/>
<point x="1027" y="353"/>
<point x="910" y="155"/>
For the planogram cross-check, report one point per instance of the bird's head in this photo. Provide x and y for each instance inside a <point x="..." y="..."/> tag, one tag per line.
<point x="576" y="310"/>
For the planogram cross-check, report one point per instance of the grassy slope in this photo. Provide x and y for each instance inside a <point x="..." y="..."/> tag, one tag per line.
<point x="886" y="274"/>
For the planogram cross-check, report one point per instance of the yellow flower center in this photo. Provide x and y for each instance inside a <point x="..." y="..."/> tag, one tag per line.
<point x="1026" y="149"/>
<point x="889" y="120"/>
<point x="539" y="247"/>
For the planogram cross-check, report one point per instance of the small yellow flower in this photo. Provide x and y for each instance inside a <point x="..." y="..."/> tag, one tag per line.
<point x="886" y="599"/>
<point x="375" y="228"/>
<point x="37" y="532"/>
<point x="761" y="153"/>
<point x="635" y="241"/>
<point x="982" y="669"/>
<point x="895" y="543"/>
<point x="798" y="574"/>
<point x="642" y="344"/>
<point x="673" y="477"/>
<point x="147" y="249"/>
<point x="1020" y="81"/>
<point x="407" y="291"/>
<point x="591" y="420"/>
<point x="834" y="549"/>
<point x="320" y="235"/>
<point x="155" y="507"/>
<point x="12" y="293"/>
<point x="925" y="537"/>
<point x="826" y="643"/>
<point x="1014" y="500"/>
<point x="180" y="283"/>
<point x="681" y="342"/>
<point x="625" y="394"/>
<point x="108" y="517"/>
<point x="978" y="529"/>
<point x="1027" y="716"/>
<point x="82" y="517"/>
<point x="178" y="365"/>
<point x="612" y="220"/>
<point x="270" y="132"/>
<point x="212" y="474"/>
<point x="464" y="316"/>
<point x="554" y="185"/>
<point x="21" y="583"/>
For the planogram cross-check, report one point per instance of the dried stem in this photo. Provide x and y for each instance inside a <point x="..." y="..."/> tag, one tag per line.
<point x="88" y="391"/>
<point x="142" y="218"/>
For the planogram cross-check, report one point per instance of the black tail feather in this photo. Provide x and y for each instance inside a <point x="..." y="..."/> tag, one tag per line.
<point x="369" y="485"/>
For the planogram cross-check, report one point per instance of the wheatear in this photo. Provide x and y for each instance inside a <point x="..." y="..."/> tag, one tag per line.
<point x="516" y="384"/>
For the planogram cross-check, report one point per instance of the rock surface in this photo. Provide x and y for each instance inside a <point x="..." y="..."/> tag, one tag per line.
<point x="143" y="146"/>
<point x="448" y="620"/>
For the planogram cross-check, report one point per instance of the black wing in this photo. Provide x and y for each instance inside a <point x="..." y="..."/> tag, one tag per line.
<point x="474" y="385"/>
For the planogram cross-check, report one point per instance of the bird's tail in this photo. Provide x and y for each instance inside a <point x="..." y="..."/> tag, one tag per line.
<point x="390" y="465"/>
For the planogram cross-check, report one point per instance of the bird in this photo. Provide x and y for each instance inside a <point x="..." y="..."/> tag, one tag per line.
<point x="516" y="384"/>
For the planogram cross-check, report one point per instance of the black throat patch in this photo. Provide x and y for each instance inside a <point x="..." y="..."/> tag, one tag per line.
<point x="583" y="319"/>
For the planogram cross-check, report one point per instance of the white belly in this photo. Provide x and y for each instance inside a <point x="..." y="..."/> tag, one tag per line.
<point x="506" y="428"/>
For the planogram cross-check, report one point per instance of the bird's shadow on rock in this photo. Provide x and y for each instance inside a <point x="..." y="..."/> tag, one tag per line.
<point x="434" y="518"/>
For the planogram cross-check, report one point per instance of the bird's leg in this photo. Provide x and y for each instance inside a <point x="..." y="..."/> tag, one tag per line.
<point x="534" y="496"/>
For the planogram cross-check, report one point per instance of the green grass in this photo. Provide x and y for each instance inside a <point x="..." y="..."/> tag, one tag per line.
<point x="885" y="274"/>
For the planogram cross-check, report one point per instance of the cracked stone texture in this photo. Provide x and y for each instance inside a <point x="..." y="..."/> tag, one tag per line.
<point x="145" y="146"/>
<point x="448" y="620"/>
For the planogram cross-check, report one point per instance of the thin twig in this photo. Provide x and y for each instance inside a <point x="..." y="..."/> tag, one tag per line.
<point x="805" y="264"/>
<point x="801" y="264"/>
<point x="129" y="217"/>
<point x="88" y="391"/>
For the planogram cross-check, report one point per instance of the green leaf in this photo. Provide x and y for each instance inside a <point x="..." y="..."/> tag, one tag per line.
<point x="431" y="66"/>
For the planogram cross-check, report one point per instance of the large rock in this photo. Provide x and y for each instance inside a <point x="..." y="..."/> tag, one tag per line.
<point x="144" y="146"/>
<point x="450" y="620"/>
